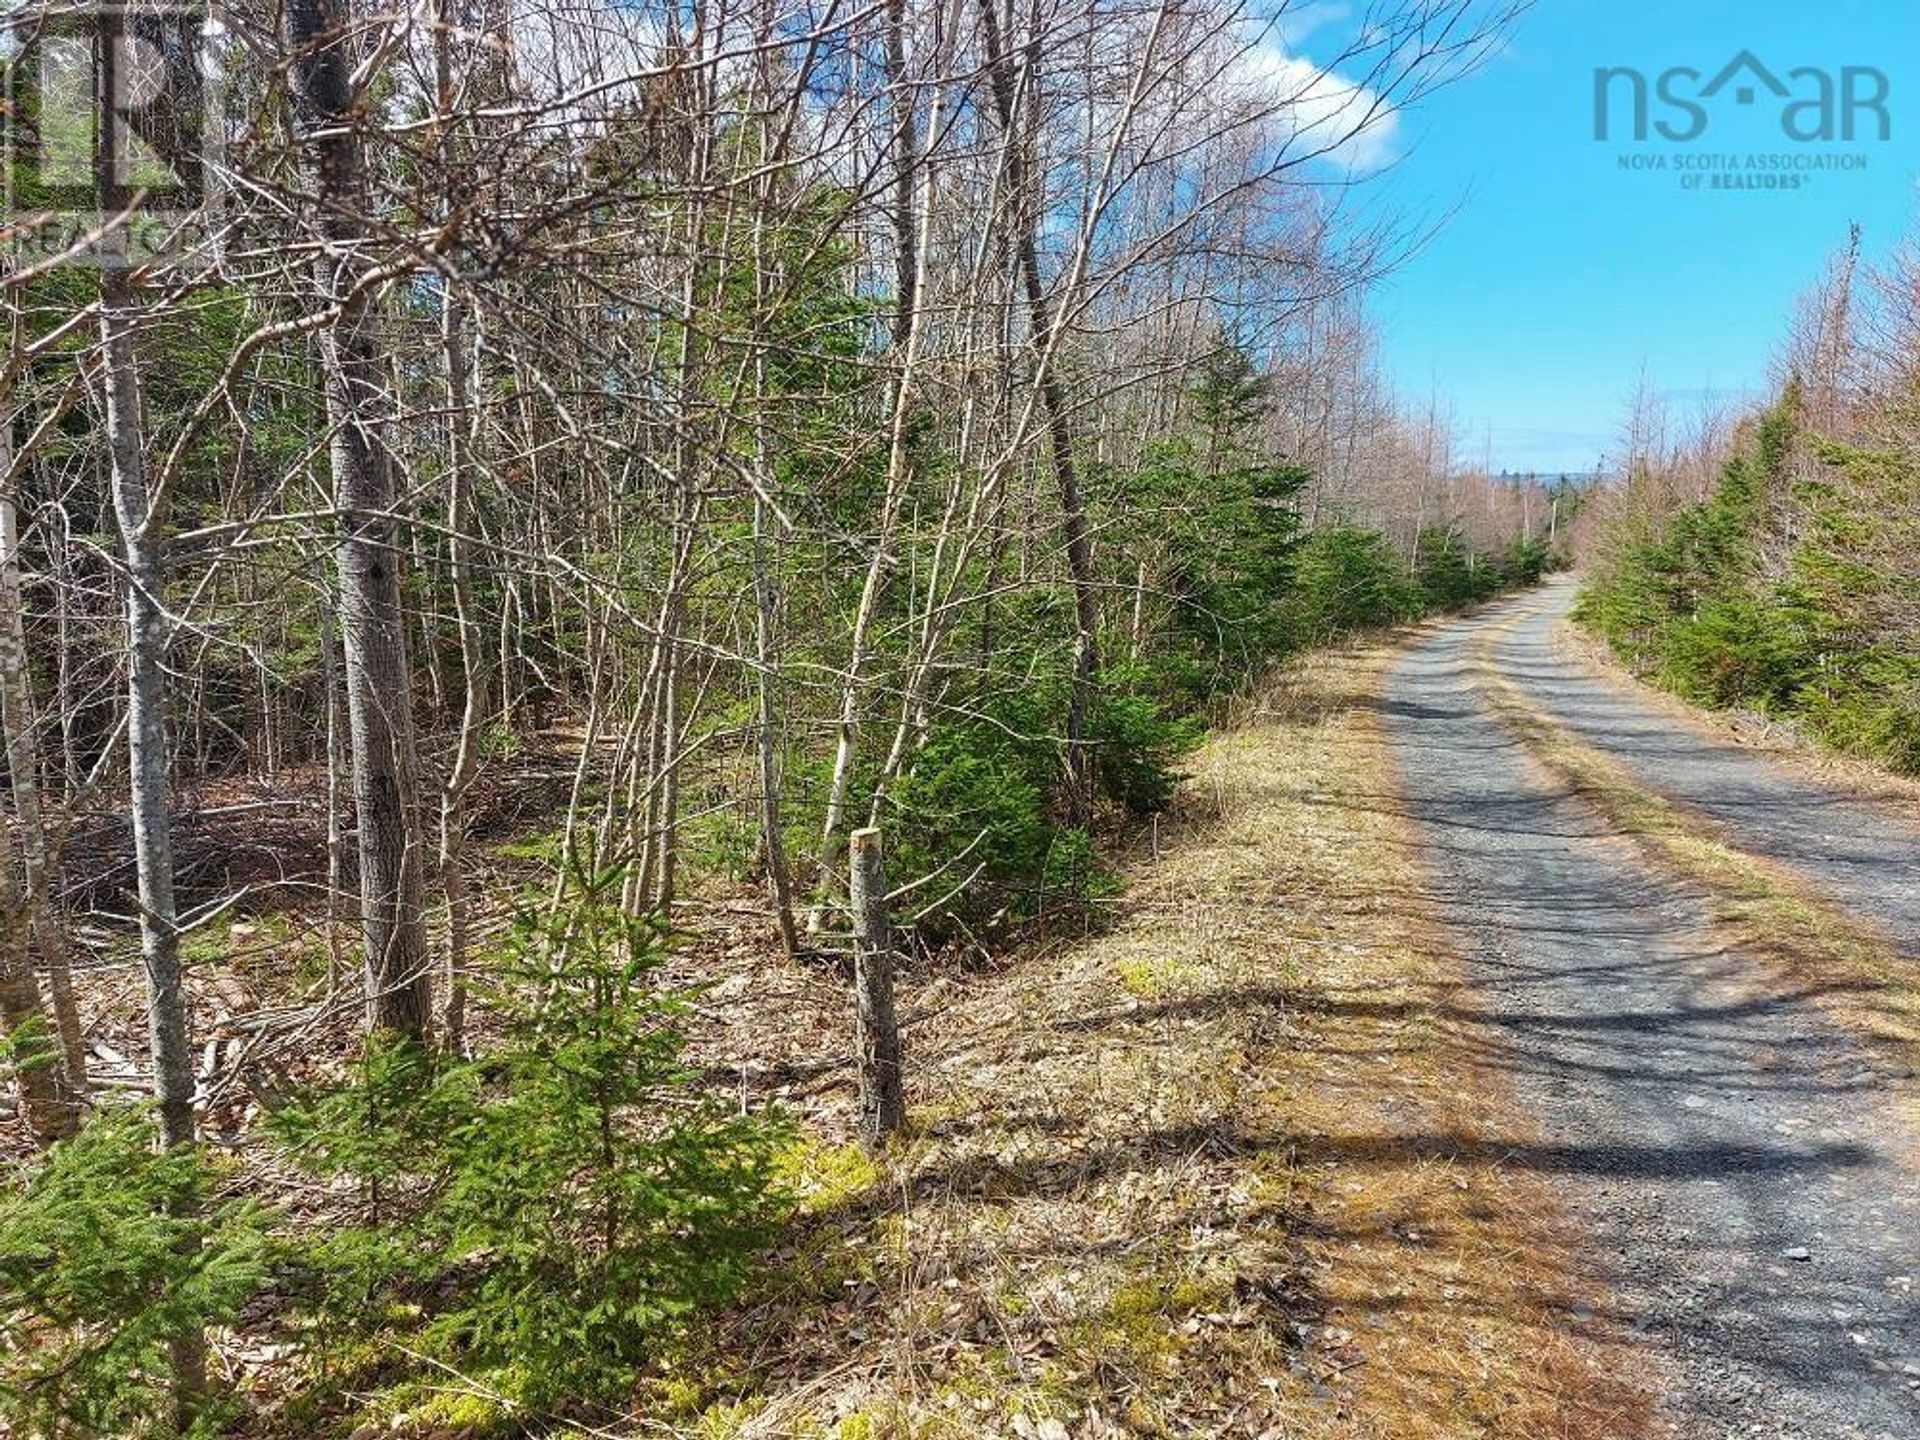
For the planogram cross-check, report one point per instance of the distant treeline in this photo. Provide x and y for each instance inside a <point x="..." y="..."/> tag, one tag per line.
<point x="1789" y="589"/>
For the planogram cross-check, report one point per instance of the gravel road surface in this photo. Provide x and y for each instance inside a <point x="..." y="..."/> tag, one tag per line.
<point x="1730" y="1150"/>
<point x="1861" y="855"/>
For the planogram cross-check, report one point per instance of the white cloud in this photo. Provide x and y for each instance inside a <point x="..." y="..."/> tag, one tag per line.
<point x="1295" y="23"/>
<point x="1320" y="112"/>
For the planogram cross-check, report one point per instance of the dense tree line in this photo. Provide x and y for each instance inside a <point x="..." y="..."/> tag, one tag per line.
<point x="1776" y="567"/>
<point x="761" y="419"/>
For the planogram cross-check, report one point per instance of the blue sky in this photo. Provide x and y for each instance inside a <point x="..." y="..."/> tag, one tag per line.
<point x="1554" y="280"/>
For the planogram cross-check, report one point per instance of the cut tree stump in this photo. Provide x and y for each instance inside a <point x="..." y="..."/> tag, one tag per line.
<point x="876" y="1031"/>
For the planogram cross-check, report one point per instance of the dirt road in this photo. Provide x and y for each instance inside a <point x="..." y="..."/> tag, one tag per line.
<point x="1863" y="856"/>
<point x="1731" y="1148"/>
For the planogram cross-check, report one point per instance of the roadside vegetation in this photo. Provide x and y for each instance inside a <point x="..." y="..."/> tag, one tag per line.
<point x="1781" y="573"/>
<point x="468" y="598"/>
<point x="541" y="1230"/>
<point x="1241" y="1165"/>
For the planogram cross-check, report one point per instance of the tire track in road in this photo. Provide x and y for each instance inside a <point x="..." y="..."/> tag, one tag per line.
<point x="1718" y="1133"/>
<point x="1859" y="853"/>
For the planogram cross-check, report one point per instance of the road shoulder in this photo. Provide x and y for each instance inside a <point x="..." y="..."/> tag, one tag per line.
<point x="1233" y="1168"/>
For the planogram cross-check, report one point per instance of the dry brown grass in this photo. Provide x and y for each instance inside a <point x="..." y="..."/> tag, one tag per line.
<point x="1231" y="1169"/>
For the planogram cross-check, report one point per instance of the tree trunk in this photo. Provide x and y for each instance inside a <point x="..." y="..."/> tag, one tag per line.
<point x="148" y="784"/>
<point x="473" y="665"/>
<point x="148" y="796"/>
<point x="1041" y="341"/>
<point x="779" y="877"/>
<point x="65" y="696"/>
<point x="142" y="538"/>
<point x="35" y="1055"/>
<point x="339" y="776"/>
<point x="903" y="353"/>
<point x="18" y="719"/>
<point x="463" y="413"/>
<point x="372" y="619"/>
<point x="773" y="843"/>
<point x="876" y="1031"/>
